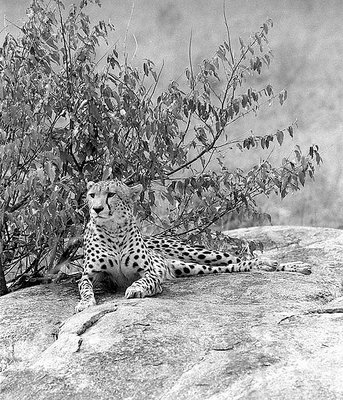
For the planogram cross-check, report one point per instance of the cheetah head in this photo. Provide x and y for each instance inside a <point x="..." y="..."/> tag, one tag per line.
<point x="111" y="201"/>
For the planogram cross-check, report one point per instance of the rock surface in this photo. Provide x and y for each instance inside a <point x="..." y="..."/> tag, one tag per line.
<point x="261" y="335"/>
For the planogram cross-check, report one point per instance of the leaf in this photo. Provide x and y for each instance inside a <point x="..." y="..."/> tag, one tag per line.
<point x="152" y="198"/>
<point x="227" y="46"/>
<point x="279" y="136"/>
<point x="318" y="158"/>
<point x="245" y="100"/>
<point x="297" y="155"/>
<point x="180" y="187"/>
<point x="50" y="171"/>
<point x="241" y="42"/>
<point x="267" y="59"/>
<point x="290" y="130"/>
<point x="269" y="90"/>
<point x="301" y="176"/>
<point x="236" y="106"/>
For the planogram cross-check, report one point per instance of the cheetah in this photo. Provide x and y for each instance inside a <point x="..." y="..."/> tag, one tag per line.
<point x="114" y="245"/>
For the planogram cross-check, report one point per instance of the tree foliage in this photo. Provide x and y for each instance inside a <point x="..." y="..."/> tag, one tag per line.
<point x="67" y="117"/>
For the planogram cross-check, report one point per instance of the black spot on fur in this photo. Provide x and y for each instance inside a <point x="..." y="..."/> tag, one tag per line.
<point x="136" y="257"/>
<point x="218" y="257"/>
<point x="201" y="256"/>
<point x="200" y="272"/>
<point x="178" y="272"/>
<point x="103" y="266"/>
<point x="111" y="262"/>
<point x="186" y="270"/>
<point x="135" y="265"/>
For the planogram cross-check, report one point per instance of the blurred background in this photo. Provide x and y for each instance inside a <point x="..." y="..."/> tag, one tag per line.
<point x="307" y="43"/>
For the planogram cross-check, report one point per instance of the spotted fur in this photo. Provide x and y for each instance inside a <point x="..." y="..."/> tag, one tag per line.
<point x="113" y="244"/>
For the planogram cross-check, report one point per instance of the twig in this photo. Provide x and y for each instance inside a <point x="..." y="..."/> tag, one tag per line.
<point x="190" y="61"/>
<point x="127" y="30"/>
<point x="228" y="32"/>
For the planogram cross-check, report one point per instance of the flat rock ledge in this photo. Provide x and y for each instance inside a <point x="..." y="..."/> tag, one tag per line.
<point x="260" y="335"/>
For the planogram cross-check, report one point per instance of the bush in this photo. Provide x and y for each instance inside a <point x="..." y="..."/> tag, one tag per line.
<point x="65" y="120"/>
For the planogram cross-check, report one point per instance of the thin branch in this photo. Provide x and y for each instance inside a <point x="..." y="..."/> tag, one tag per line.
<point x="228" y="32"/>
<point x="190" y="61"/>
<point x="65" y="47"/>
<point x="12" y="23"/>
<point x="127" y="30"/>
<point x="235" y="67"/>
<point x="155" y="84"/>
<point x="136" y="48"/>
<point x="204" y="151"/>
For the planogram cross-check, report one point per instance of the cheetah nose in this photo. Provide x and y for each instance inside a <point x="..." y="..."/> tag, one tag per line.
<point x="98" y="209"/>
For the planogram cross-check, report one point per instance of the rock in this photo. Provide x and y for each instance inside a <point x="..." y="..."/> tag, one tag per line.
<point x="260" y="335"/>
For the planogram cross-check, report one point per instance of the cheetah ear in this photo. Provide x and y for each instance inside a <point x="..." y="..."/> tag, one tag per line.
<point x="135" y="191"/>
<point x="89" y="184"/>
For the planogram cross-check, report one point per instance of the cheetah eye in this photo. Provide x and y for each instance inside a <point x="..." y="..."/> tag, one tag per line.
<point x="91" y="195"/>
<point x="110" y="194"/>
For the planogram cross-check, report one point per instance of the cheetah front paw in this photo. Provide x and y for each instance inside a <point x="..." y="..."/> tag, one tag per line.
<point x="132" y="292"/>
<point x="83" y="304"/>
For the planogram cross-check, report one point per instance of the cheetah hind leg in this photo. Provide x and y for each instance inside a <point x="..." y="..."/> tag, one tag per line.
<point x="295" y="266"/>
<point x="267" y="264"/>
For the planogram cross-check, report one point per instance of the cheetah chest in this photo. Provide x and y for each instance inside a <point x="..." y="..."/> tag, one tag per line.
<point x="103" y="253"/>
